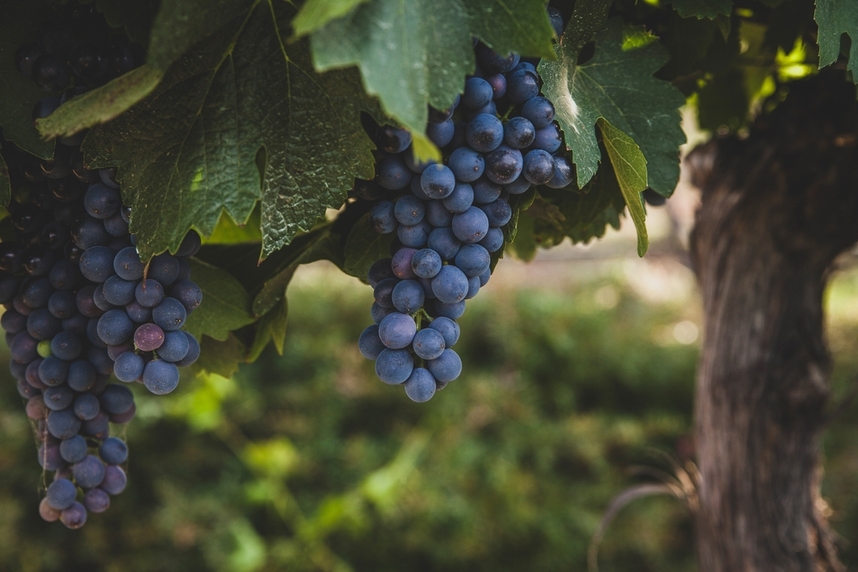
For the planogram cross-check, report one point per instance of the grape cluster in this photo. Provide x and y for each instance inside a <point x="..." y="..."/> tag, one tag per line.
<point x="449" y="217"/>
<point x="77" y="305"/>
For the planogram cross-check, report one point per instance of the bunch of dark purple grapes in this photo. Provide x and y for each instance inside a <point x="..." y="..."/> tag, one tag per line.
<point x="77" y="306"/>
<point x="498" y="140"/>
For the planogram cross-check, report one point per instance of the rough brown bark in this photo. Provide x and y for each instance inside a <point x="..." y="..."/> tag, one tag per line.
<point x="777" y="208"/>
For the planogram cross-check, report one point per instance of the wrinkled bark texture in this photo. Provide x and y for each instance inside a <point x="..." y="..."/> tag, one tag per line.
<point x="777" y="208"/>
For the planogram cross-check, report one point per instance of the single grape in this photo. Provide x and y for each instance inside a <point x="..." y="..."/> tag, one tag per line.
<point x="116" y="399"/>
<point x="467" y="165"/>
<point x="426" y="263"/>
<point x="441" y="133"/>
<point x="563" y="175"/>
<point x="190" y="244"/>
<point x="450" y="285"/>
<point x="174" y="348"/>
<point x="101" y="201"/>
<point x="382" y="218"/>
<point x="148" y="337"/>
<point x="519" y="133"/>
<point x="518" y="186"/>
<point x="394" y="366"/>
<point x="383" y="292"/>
<point x="484" y="133"/>
<point x="369" y="344"/>
<point x="47" y="513"/>
<point x="409" y="210"/>
<point x="498" y="213"/>
<point x="114" y="327"/>
<point x="478" y="93"/>
<point x="85" y="407"/>
<point x="504" y="165"/>
<point x="437" y="214"/>
<point x="61" y="494"/>
<point x="113" y="451"/>
<point x="471" y="226"/>
<point x="420" y="385"/>
<point x="473" y="260"/>
<point x="164" y="269"/>
<point x="160" y="377"/>
<point x="428" y="343"/>
<point x="493" y="241"/>
<point x="96" y="500"/>
<point x="62" y="304"/>
<point x="114" y="480"/>
<point x="414" y="236"/>
<point x="73" y="450"/>
<point x="453" y="310"/>
<point x="397" y="330"/>
<point x="193" y="352"/>
<point x="447" y="367"/>
<point x="127" y="264"/>
<point x="444" y="242"/>
<point x="522" y="85"/>
<point x="393" y="139"/>
<point x="392" y="173"/>
<point x="58" y="398"/>
<point x="547" y="138"/>
<point x="538" y="166"/>
<point x="82" y="375"/>
<point x="461" y="198"/>
<point x="96" y="263"/>
<point x="74" y="516"/>
<point x="66" y="346"/>
<point x="448" y="328"/>
<point x="149" y="293"/>
<point x="63" y="424"/>
<point x="407" y="296"/>
<point x="437" y="181"/>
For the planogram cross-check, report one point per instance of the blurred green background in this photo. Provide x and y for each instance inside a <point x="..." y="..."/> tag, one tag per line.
<point x="576" y="372"/>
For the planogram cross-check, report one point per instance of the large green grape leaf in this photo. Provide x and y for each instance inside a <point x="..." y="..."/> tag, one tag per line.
<point x="316" y="13"/>
<point x="225" y="307"/>
<point x="418" y="52"/>
<point x="630" y="167"/>
<point x="19" y="20"/>
<point x="835" y="18"/>
<point x="617" y="85"/>
<point x="178" y="26"/>
<point x="190" y="149"/>
<point x="703" y="8"/>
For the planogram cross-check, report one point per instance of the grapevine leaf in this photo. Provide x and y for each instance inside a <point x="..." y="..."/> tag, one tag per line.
<point x="588" y="17"/>
<point x="703" y="8"/>
<point x="228" y="231"/>
<point x="225" y="303"/>
<point x="617" y="85"/>
<point x="219" y="357"/>
<point x="316" y="13"/>
<point x="18" y="93"/>
<point x="273" y="291"/>
<point x="363" y="247"/>
<point x="134" y="17"/>
<point x="416" y="53"/>
<point x="835" y="18"/>
<point x="5" y="185"/>
<point x="189" y="150"/>
<point x="630" y="167"/>
<point x="271" y="327"/>
<point x="100" y="105"/>
<point x="523" y="246"/>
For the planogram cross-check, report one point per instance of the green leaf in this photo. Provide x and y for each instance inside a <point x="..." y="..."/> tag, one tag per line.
<point x="5" y="184"/>
<point x="363" y="247"/>
<point x="630" y="167"/>
<point x="134" y="17"/>
<point x="316" y="13"/>
<point x="100" y="105"/>
<point x="271" y="327"/>
<point x="273" y="291"/>
<point x="703" y="8"/>
<point x="418" y="52"/>
<point x="835" y="18"/>
<point x="225" y="306"/>
<point x="180" y="24"/>
<point x="588" y="17"/>
<point x="18" y="93"/>
<point x="189" y="150"/>
<point x="220" y="357"/>
<point x="617" y="84"/>
<point x="228" y="231"/>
